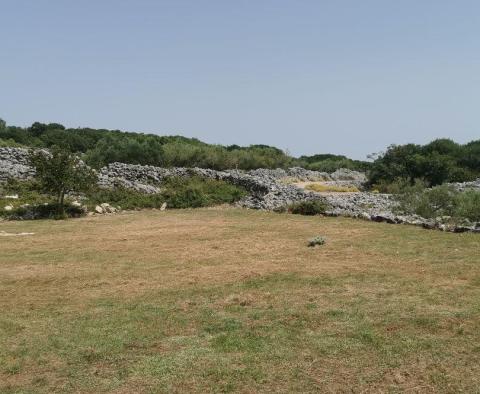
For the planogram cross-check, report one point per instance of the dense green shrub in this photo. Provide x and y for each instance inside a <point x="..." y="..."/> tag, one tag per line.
<point x="438" y="201"/>
<point x="310" y="207"/>
<point x="440" y="161"/>
<point x="9" y="143"/>
<point x="330" y="163"/>
<point x="43" y="211"/>
<point x="468" y="205"/>
<point x="190" y="192"/>
<point x="124" y="198"/>
<point x="196" y="192"/>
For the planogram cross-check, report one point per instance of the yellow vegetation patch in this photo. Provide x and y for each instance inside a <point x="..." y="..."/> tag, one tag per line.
<point x="323" y="188"/>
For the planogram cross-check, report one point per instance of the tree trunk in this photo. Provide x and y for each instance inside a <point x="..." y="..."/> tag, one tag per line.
<point x="60" y="204"/>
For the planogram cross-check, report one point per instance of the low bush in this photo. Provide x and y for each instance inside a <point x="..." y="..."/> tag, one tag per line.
<point x="43" y="211"/>
<point x="316" y="241"/>
<point x="27" y="192"/>
<point x="442" y="200"/>
<point x="309" y="208"/>
<point x="125" y="198"/>
<point x="468" y="205"/>
<point x="196" y="192"/>
<point x="396" y="186"/>
<point x="190" y="192"/>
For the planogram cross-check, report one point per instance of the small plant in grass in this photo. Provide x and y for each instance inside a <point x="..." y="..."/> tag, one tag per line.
<point x="309" y="207"/>
<point x="316" y="241"/>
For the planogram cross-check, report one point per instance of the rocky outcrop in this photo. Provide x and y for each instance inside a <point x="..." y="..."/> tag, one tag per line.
<point x="14" y="164"/>
<point x="463" y="186"/>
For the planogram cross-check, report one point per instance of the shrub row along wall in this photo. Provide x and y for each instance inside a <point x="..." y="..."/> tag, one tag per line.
<point x="266" y="192"/>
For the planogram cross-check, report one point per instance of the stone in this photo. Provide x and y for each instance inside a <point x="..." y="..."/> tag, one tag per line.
<point x="99" y="209"/>
<point x="8" y="208"/>
<point x="163" y="207"/>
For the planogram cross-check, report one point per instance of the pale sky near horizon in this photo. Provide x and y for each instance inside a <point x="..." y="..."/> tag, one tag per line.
<point x="338" y="76"/>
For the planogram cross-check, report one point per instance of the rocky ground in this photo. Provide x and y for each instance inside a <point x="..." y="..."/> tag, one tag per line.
<point x="268" y="189"/>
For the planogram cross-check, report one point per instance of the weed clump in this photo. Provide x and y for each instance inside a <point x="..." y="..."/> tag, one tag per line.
<point x="316" y="241"/>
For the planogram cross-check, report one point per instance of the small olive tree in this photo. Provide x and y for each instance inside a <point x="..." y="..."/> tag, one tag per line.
<point x="60" y="172"/>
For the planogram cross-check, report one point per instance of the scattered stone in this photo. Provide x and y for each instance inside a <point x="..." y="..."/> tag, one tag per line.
<point x="8" y="208"/>
<point x="12" y="197"/>
<point x="5" y="234"/>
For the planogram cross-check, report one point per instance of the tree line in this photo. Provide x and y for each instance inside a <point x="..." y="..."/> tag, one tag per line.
<point x="442" y="160"/>
<point x="99" y="147"/>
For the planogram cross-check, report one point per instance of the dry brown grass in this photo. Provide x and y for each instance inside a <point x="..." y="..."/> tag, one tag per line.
<point x="325" y="188"/>
<point x="234" y="300"/>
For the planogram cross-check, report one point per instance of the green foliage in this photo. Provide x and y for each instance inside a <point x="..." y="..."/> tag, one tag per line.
<point x="196" y="192"/>
<point x="27" y="191"/>
<point x="395" y="186"/>
<point x="61" y="172"/>
<point x="318" y="240"/>
<point x="191" y="192"/>
<point x="310" y="207"/>
<point x="8" y="143"/>
<point x="441" y="200"/>
<point x="99" y="147"/>
<point x="331" y="163"/>
<point x="440" y="161"/>
<point x="468" y="205"/>
<point x="125" y="198"/>
<point x="43" y="211"/>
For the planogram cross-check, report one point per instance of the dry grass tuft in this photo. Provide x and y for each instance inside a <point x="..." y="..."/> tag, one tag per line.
<point x="323" y="188"/>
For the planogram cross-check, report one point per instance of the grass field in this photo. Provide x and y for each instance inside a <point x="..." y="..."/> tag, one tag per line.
<point x="222" y="300"/>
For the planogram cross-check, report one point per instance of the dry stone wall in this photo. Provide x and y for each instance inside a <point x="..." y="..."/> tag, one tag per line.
<point x="266" y="190"/>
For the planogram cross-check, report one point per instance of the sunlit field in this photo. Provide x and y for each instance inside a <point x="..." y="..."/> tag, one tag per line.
<point x="231" y="300"/>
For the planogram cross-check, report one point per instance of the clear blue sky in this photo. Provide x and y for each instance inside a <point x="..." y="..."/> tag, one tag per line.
<point x="312" y="76"/>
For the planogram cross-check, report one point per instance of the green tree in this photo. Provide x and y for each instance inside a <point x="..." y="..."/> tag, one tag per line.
<point x="60" y="172"/>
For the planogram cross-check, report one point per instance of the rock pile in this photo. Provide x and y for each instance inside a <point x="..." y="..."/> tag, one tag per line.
<point x="105" y="208"/>
<point x="463" y="186"/>
<point x="382" y="208"/>
<point x="14" y="164"/>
